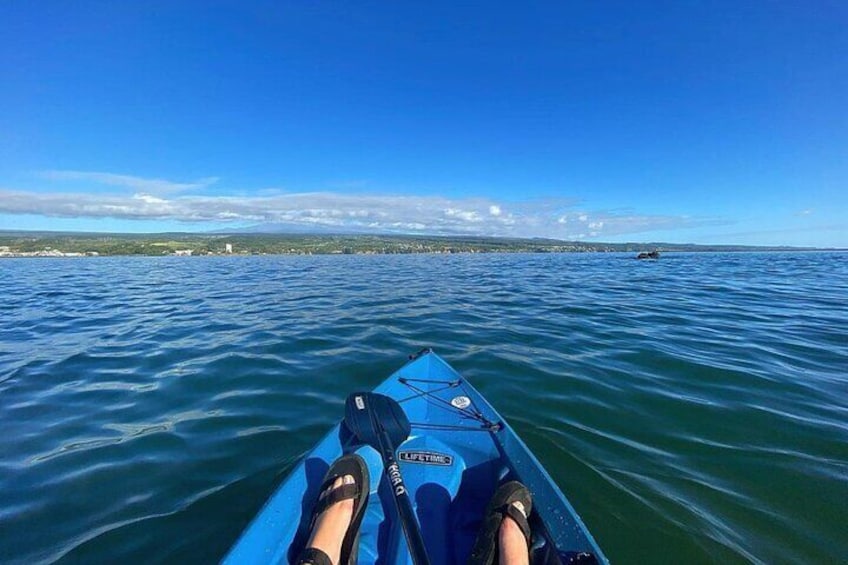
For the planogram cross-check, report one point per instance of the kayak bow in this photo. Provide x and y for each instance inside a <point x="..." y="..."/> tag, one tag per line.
<point x="458" y="451"/>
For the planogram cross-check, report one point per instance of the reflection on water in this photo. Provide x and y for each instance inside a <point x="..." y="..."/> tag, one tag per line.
<point x="692" y="408"/>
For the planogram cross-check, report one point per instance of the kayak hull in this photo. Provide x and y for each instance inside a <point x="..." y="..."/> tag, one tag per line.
<point x="459" y="451"/>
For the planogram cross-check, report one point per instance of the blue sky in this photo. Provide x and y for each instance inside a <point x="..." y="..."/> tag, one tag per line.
<point x="706" y="122"/>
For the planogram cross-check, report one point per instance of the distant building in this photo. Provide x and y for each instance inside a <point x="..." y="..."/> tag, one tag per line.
<point x="229" y="247"/>
<point x="185" y="252"/>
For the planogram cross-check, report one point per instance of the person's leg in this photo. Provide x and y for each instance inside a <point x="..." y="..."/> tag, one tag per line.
<point x="512" y="546"/>
<point x="331" y="525"/>
<point x="505" y="534"/>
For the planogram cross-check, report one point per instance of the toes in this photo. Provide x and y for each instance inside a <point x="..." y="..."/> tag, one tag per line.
<point x="510" y="530"/>
<point x="346" y="480"/>
<point x="336" y="484"/>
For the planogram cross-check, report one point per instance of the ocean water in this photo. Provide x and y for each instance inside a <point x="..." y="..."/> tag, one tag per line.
<point x="693" y="409"/>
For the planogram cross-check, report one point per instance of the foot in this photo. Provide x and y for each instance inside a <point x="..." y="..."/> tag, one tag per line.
<point x="511" y="543"/>
<point x="332" y="524"/>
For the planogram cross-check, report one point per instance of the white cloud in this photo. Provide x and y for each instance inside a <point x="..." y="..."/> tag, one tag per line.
<point x="149" y="199"/>
<point x="332" y="211"/>
<point x="154" y="186"/>
<point x="465" y="215"/>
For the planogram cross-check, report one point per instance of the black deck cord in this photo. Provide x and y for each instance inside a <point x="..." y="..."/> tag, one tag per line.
<point x="487" y="424"/>
<point x="477" y="415"/>
<point x="419" y="353"/>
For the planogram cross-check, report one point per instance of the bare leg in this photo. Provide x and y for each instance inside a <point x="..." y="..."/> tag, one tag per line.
<point x="331" y="525"/>
<point x="512" y="547"/>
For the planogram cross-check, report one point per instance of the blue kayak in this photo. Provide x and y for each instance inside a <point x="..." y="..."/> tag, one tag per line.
<point x="458" y="452"/>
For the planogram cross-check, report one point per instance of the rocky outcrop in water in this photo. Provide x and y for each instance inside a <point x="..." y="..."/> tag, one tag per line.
<point x="649" y="255"/>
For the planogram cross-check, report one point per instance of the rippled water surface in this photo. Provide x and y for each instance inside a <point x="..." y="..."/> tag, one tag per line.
<point x="693" y="409"/>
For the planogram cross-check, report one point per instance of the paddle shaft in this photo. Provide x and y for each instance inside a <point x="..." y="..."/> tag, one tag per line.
<point x="404" y="506"/>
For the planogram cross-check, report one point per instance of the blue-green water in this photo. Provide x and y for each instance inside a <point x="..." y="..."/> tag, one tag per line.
<point x="694" y="409"/>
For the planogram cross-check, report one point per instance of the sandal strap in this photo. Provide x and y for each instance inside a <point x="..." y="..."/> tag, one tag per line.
<point x="519" y="518"/>
<point x="344" y="492"/>
<point x="328" y="483"/>
<point x="582" y="558"/>
<point x="313" y="556"/>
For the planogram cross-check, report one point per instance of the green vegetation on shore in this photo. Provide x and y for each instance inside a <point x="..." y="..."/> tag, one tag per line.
<point x="53" y="243"/>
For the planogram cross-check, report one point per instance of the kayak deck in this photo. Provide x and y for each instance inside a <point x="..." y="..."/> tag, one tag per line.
<point x="458" y="453"/>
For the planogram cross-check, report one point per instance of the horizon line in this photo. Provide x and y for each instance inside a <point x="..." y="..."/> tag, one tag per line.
<point x="219" y="234"/>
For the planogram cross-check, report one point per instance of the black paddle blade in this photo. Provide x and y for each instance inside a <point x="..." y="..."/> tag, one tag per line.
<point x="367" y="413"/>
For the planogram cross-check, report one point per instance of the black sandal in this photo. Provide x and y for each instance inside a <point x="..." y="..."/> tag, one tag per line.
<point x="485" y="551"/>
<point x="355" y="466"/>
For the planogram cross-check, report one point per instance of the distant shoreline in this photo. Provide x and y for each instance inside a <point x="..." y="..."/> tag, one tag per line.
<point x="47" y="244"/>
<point x="248" y="255"/>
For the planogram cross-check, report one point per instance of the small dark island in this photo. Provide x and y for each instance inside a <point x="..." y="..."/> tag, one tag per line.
<point x="648" y="255"/>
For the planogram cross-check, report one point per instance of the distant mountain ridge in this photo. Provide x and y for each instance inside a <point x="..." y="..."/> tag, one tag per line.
<point x="23" y="243"/>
